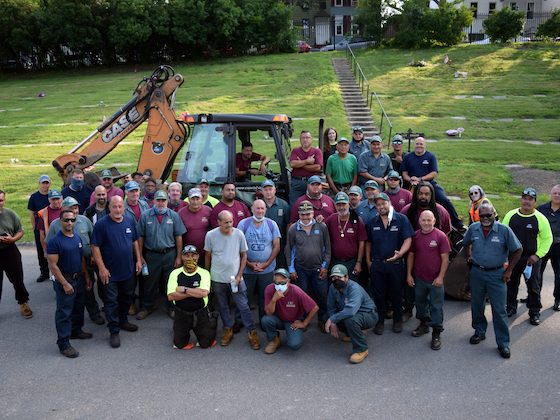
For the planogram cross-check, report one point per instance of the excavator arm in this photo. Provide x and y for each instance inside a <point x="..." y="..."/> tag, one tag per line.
<point x="165" y="135"/>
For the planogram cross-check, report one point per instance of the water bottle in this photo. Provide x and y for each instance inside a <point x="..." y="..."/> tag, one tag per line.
<point x="145" y="271"/>
<point x="234" y="285"/>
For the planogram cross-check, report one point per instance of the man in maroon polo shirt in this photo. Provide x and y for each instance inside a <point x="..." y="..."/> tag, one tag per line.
<point x="305" y="161"/>
<point x="228" y="202"/>
<point x="399" y="196"/>
<point x="196" y="218"/>
<point x="323" y="205"/>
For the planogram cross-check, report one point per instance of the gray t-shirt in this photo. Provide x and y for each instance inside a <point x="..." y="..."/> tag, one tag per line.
<point x="225" y="251"/>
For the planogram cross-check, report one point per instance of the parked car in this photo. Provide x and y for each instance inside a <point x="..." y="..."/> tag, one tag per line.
<point x="341" y="45"/>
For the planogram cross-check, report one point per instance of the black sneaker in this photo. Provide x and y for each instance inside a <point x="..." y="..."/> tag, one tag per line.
<point x="128" y="326"/>
<point x="115" y="340"/>
<point x="82" y="335"/>
<point x="70" y="352"/>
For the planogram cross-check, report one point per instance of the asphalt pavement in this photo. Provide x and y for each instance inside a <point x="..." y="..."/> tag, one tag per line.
<point x="402" y="377"/>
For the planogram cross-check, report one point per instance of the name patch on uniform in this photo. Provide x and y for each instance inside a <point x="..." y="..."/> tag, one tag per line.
<point x="350" y="230"/>
<point x="316" y="232"/>
<point x="169" y="222"/>
<point x="128" y="230"/>
<point x="495" y="239"/>
<point x="280" y="212"/>
<point x="433" y="244"/>
<point x="240" y="213"/>
<point x="425" y="162"/>
<point x="394" y="229"/>
<point x="325" y="205"/>
<point x="290" y="304"/>
<point x="376" y="228"/>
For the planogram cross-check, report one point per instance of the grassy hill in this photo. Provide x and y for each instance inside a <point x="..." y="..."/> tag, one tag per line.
<point x="518" y="84"/>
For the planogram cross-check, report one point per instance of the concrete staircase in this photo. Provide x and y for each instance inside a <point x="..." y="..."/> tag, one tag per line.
<point x="355" y="104"/>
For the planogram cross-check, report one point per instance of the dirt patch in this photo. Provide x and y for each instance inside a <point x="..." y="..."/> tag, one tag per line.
<point x="541" y="180"/>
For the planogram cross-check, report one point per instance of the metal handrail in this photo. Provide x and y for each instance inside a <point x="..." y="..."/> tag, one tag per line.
<point x="364" y="85"/>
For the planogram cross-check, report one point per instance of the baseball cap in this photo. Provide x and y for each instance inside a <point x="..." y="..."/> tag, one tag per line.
<point x="305" y="207"/>
<point x="267" y="183"/>
<point x="381" y="196"/>
<point x="204" y="181"/>
<point x="44" y="178"/>
<point x="282" y="272"/>
<point x="106" y="174"/>
<point x="55" y="194"/>
<point x="371" y="184"/>
<point x="357" y="128"/>
<point x="354" y="189"/>
<point x="195" y="192"/>
<point x="342" y="139"/>
<point x="375" y="139"/>
<point x="190" y="249"/>
<point x="131" y="186"/>
<point x="69" y="202"/>
<point x="341" y="197"/>
<point x="531" y="192"/>
<point x="397" y="138"/>
<point x="160" y="195"/>
<point x="313" y="180"/>
<point x="339" y="270"/>
<point x="393" y="174"/>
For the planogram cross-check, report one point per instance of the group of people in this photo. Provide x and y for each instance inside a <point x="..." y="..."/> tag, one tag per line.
<point x="370" y="250"/>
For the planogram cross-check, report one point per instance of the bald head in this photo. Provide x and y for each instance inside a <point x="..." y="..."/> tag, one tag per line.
<point x="116" y="208"/>
<point x="427" y="221"/>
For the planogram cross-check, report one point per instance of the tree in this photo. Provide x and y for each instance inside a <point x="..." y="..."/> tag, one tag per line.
<point x="370" y="19"/>
<point x="504" y="24"/>
<point x="17" y="28"/>
<point x="550" y="28"/>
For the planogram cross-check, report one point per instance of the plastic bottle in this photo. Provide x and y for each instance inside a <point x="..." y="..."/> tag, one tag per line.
<point x="234" y="285"/>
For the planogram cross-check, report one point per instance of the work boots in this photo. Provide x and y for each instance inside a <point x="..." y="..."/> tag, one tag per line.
<point x="254" y="340"/>
<point x="272" y="346"/>
<point x="226" y="337"/>
<point x="25" y="310"/>
<point x="436" y="339"/>
<point x="421" y="329"/>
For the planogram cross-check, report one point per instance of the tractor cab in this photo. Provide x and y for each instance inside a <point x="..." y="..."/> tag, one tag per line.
<point x="216" y="139"/>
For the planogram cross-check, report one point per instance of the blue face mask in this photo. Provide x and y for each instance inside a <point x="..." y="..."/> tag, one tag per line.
<point x="281" y="287"/>
<point x="77" y="184"/>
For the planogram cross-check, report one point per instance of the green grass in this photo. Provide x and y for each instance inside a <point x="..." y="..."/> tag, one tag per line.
<point x="36" y="130"/>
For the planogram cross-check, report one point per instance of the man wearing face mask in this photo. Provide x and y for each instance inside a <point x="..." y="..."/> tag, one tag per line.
<point x="287" y="308"/>
<point x="263" y="240"/>
<point x="107" y="182"/>
<point x="160" y="232"/>
<point x="150" y="187"/>
<point x="488" y="244"/>
<point x="188" y="288"/>
<point x="78" y="190"/>
<point x="351" y="311"/>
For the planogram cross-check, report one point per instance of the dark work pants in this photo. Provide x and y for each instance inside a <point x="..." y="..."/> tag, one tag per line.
<point x="316" y="287"/>
<point x="69" y="315"/>
<point x="354" y="328"/>
<point x="350" y="264"/>
<point x="257" y="282"/>
<point x="387" y="283"/>
<point x="442" y="199"/>
<point x="10" y="263"/>
<point x="43" y="264"/>
<point x="201" y="322"/>
<point x="534" y="286"/>
<point x="159" y="267"/>
<point x="118" y="298"/>
<point x="554" y="257"/>
<point x="90" y="301"/>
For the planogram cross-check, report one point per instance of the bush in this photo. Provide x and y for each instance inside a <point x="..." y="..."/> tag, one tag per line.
<point x="504" y="24"/>
<point x="550" y="28"/>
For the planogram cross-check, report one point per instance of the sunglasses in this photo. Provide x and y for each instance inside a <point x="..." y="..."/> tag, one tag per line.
<point x="69" y="220"/>
<point x="474" y="193"/>
<point x="486" y="216"/>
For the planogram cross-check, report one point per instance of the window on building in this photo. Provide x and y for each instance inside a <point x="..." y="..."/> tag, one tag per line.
<point x="513" y="6"/>
<point x="339" y="29"/>
<point x="338" y="3"/>
<point x="491" y="8"/>
<point x="474" y="8"/>
<point x="530" y="10"/>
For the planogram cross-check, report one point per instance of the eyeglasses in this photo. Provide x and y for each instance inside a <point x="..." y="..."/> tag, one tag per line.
<point x="486" y="216"/>
<point x="69" y="220"/>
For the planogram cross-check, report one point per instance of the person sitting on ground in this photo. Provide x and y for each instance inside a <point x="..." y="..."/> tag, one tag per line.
<point x="243" y="160"/>
<point x="477" y="196"/>
<point x="287" y="308"/>
<point x="188" y="288"/>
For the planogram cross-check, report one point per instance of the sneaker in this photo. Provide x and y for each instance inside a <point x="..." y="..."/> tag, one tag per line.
<point x="254" y="340"/>
<point x="133" y="310"/>
<point x="143" y="314"/>
<point x="226" y="337"/>
<point x="358" y="357"/>
<point x="475" y="339"/>
<point x="70" y="352"/>
<point x="420" y="330"/>
<point x="397" y="327"/>
<point x="187" y="347"/>
<point x="128" y="326"/>
<point x="25" y="310"/>
<point x="379" y="328"/>
<point x="115" y="340"/>
<point x="272" y="346"/>
<point x="82" y="335"/>
<point x="99" y="320"/>
<point x="556" y="305"/>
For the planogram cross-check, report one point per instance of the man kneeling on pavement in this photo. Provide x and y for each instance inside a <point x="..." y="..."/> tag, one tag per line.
<point x="351" y="311"/>
<point x="287" y="307"/>
<point x="188" y="289"/>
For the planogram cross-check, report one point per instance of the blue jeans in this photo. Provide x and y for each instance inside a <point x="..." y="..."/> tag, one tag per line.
<point x="118" y="298"/>
<point x="298" y="187"/>
<point x="429" y="302"/>
<point x="489" y="283"/>
<point x="271" y="324"/>
<point x="316" y="287"/>
<point x="354" y="326"/>
<point x="442" y="199"/>
<point x="387" y="284"/>
<point x="223" y="292"/>
<point x="69" y="315"/>
<point x="258" y="282"/>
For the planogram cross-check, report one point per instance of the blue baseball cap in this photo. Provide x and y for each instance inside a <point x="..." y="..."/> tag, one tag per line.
<point x="55" y="194"/>
<point x="131" y="186"/>
<point x="314" y="180"/>
<point x="267" y="183"/>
